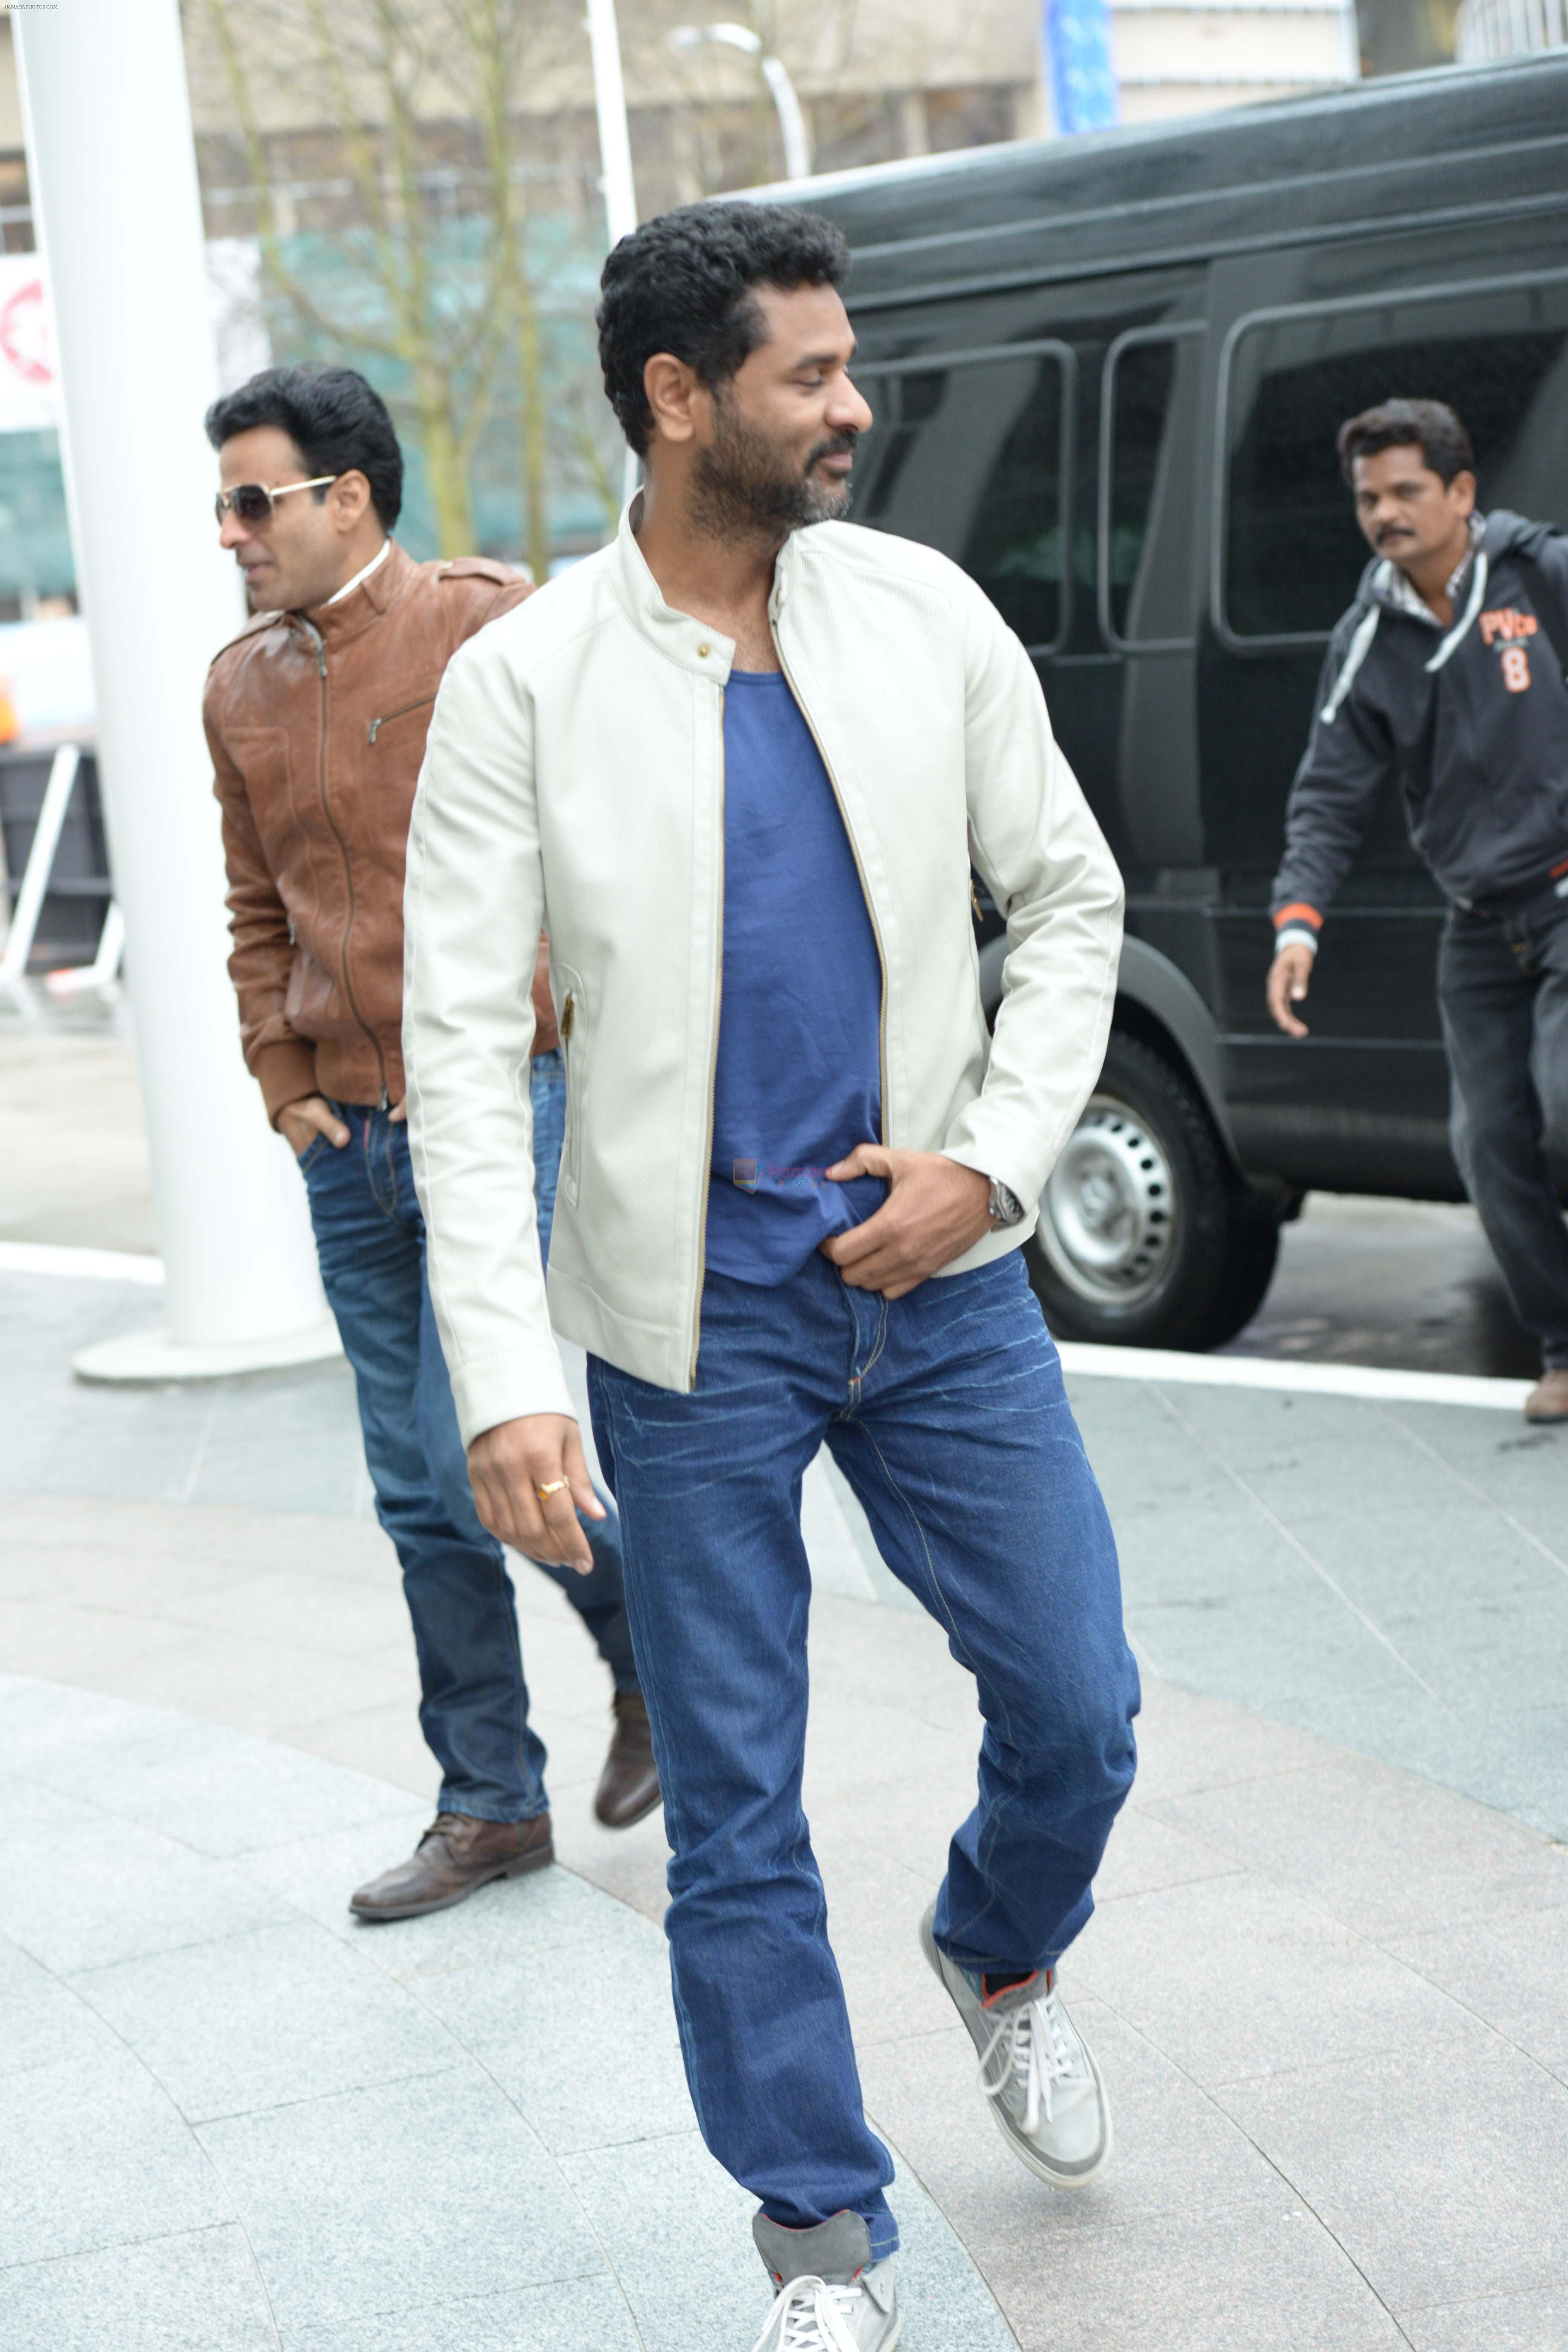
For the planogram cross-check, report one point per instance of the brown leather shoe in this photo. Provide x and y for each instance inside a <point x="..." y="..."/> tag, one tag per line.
<point x="456" y="1855"/>
<point x="628" y="1785"/>
<point x="1547" y="1399"/>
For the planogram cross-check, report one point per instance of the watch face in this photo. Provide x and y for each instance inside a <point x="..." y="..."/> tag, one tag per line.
<point x="1006" y="1206"/>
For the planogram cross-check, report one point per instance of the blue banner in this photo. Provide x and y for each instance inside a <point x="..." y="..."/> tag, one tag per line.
<point x="1078" y="52"/>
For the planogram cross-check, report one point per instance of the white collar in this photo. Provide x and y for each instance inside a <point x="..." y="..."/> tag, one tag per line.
<point x="376" y="561"/>
<point x="693" y="644"/>
<point x="1405" y="597"/>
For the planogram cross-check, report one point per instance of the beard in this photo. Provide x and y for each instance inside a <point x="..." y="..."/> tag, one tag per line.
<point x="743" y="487"/>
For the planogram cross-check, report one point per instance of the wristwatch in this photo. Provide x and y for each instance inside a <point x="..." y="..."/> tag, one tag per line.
<point x="1006" y="1208"/>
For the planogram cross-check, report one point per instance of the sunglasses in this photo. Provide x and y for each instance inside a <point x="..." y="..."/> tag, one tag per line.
<point x="251" y="502"/>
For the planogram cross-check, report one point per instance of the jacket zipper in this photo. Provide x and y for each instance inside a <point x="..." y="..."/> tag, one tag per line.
<point x="374" y="729"/>
<point x="712" y="1065"/>
<point x="315" y="637"/>
<point x="860" y="871"/>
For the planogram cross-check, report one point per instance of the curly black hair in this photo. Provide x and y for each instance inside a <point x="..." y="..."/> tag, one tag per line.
<point x="337" y="423"/>
<point x="1430" y="425"/>
<point x="684" y="284"/>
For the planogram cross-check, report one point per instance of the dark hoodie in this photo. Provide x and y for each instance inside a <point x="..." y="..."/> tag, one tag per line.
<point x="1474" y="720"/>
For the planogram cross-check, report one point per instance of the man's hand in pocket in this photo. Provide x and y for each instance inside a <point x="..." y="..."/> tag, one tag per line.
<point x="300" y="1122"/>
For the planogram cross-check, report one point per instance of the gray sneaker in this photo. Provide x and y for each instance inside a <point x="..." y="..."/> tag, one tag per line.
<point x="832" y="2298"/>
<point x="1036" y="2069"/>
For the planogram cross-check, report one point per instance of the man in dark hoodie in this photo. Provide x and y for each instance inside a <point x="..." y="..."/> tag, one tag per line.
<point x="1448" y="671"/>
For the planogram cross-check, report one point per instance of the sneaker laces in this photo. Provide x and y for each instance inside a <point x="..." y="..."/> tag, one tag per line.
<point x="1028" y="2051"/>
<point x="809" y="2315"/>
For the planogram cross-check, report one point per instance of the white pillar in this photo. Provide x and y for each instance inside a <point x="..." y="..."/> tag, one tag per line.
<point x="112" y="166"/>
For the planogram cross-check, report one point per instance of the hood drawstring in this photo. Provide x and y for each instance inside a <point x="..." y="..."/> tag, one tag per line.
<point x="1358" y="648"/>
<point x="1366" y="629"/>
<point x="1472" y="606"/>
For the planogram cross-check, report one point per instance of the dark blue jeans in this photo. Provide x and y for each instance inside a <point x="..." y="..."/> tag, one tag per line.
<point x="1502" y="982"/>
<point x="370" y="1241"/>
<point x="945" y="1412"/>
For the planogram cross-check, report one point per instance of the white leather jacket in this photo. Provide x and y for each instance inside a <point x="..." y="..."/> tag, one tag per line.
<point x="575" y="776"/>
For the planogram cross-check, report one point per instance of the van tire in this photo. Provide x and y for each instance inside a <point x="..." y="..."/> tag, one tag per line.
<point x="1148" y="1238"/>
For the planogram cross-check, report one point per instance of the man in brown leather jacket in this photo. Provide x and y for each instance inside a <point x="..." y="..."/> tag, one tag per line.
<point x="316" y="717"/>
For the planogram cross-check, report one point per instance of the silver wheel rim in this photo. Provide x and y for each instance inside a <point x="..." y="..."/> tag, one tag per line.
<point x="1108" y="1219"/>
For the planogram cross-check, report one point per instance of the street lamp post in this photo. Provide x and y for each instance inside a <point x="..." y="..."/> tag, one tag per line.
<point x="113" y="177"/>
<point x="610" y="105"/>
<point x="615" y="154"/>
<point x="792" y="120"/>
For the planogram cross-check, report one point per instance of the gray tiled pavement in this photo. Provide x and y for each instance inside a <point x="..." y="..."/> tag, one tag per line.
<point x="1393" y="1577"/>
<point x="251" y="2124"/>
<point x="1325" y="1977"/>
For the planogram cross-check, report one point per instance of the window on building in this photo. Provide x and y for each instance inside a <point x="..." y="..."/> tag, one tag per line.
<point x="1293" y="551"/>
<point x="35" y="565"/>
<point x="975" y="115"/>
<point x="1147" y="434"/>
<point x="850" y="130"/>
<point x="970" y="456"/>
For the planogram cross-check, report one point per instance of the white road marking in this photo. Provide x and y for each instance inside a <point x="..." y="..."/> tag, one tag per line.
<point x="1169" y="1364"/>
<point x="95" y="1265"/>
<point x="1371" y="1381"/>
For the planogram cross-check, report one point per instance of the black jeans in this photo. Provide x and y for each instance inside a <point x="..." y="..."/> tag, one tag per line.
<point x="1502" y="981"/>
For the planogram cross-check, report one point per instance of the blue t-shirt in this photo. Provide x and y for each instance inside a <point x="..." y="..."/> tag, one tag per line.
<point x="798" y="1083"/>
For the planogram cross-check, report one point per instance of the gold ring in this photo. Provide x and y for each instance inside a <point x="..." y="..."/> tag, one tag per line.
<point x="555" y="1486"/>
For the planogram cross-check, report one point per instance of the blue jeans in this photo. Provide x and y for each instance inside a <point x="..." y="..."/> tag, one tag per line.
<point x="370" y="1241"/>
<point x="547" y="1100"/>
<point x="946" y="1413"/>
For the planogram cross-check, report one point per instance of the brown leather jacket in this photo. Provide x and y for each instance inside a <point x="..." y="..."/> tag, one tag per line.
<point x="316" y="722"/>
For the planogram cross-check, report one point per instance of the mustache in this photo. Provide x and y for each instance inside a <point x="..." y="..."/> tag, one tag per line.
<point x="838" y="445"/>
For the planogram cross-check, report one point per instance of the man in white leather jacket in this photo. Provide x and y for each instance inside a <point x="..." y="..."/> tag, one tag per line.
<point x="741" y="761"/>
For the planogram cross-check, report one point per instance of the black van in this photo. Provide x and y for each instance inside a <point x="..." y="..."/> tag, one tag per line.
<point x="1107" y="376"/>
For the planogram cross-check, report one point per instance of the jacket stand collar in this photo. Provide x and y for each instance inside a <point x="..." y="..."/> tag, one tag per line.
<point x="693" y="644"/>
<point x="334" y="623"/>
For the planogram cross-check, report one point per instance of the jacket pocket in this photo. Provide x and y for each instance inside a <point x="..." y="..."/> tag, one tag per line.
<point x="373" y="727"/>
<point x="313" y="1006"/>
<point x="574" y="1028"/>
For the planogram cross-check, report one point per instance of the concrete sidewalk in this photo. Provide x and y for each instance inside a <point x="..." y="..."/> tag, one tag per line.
<point x="1393" y="1576"/>
<point x="1325" y="1981"/>
<point x="240" y="2120"/>
<point x="1327" y="1994"/>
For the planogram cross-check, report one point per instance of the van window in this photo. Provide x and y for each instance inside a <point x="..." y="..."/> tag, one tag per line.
<point x="1147" y="476"/>
<point x="1293" y="551"/>
<point x="970" y="456"/>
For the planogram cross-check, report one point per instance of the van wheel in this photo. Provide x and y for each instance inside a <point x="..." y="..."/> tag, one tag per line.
<point x="1146" y="1239"/>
